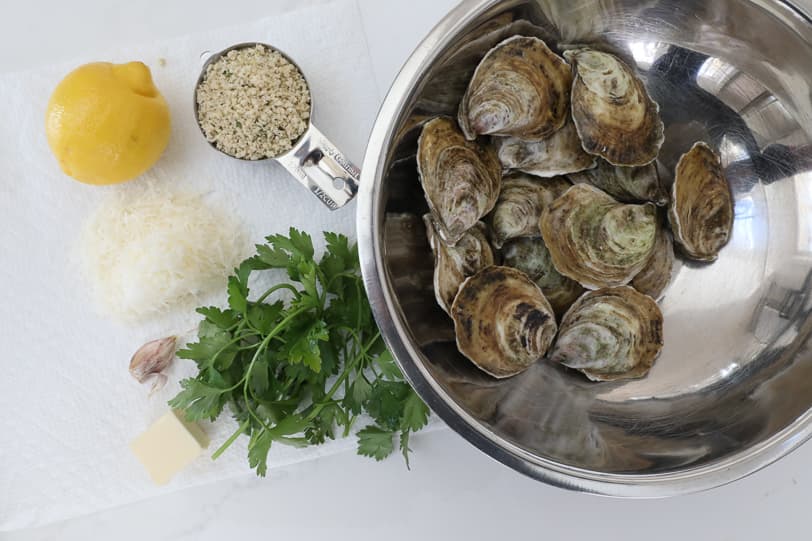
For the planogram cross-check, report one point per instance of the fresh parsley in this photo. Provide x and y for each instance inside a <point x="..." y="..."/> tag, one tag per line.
<point x="299" y="363"/>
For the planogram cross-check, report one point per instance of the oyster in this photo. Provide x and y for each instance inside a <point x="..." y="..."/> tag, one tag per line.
<point x="503" y="321"/>
<point x="627" y="184"/>
<point x="521" y="201"/>
<point x="656" y="275"/>
<point x="559" y="154"/>
<point x="613" y="113"/>
<point x="520" y="88"/>
<point x="701" y="212"/>
<point x="461" y="179"/>
<point x="453" y="264"/>
<point x="530" y="255"/>
<point x="611" y="334"/>
<point x="445" y="87"/>
<point x="597" y="241"/>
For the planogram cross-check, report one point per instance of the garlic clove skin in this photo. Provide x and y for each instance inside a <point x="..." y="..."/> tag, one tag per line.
<point x="158" y="382"/>
<point x="152" y="358"/>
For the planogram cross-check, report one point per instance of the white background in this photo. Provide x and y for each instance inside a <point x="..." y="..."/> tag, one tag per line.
<point x="453" y="491"/>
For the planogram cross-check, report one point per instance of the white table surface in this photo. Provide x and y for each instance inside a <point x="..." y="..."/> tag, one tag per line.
<point x="453" y="491"/>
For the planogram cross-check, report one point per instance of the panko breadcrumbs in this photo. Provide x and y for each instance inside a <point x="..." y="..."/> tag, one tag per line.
<point x="253" y="103"/>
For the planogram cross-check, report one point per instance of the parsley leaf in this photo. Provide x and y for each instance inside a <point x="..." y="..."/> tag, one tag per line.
<point x="199" y="400"/>
<point x="260" y="378"/>
<point x="258" y="449"/>
<point x="303" y="345"/>
<point x="223" y="319"/>
<point x="214" y="348"/>
<point x="358" y="394"/>
<point x="389" y="369"/>
<point x="237" y="295"/>
<point x="263" y="316"/>
<point x="273" y="257"/>
<point x="375" y="442"/>
<point x="415" y="414"/>
<point x="238" y="287"/>
<point x="386" y="402"/>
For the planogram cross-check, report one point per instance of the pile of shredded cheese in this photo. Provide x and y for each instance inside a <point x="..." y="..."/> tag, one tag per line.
<point x="151" y="250"/>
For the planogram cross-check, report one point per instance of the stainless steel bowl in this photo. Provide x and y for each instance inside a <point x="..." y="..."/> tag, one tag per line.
<point x="732" y="391"/>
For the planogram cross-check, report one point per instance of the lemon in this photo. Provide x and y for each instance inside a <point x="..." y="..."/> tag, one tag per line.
<point x="107" y="123"/>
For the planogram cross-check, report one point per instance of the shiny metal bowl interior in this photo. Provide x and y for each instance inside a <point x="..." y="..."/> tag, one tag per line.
<point x="732" y="390"/>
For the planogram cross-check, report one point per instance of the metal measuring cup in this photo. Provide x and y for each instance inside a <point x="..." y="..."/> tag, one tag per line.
<point x="314" y="161"/>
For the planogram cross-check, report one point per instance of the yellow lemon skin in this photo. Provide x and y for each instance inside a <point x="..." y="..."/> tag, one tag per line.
<point x="107" y="123"/>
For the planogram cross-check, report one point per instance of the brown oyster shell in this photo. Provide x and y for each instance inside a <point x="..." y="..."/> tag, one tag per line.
<point x="613" y="113"/>
<point x="597" y="241"/>
<point x="520" y="88"/>
<point x="446" y="86"/>
<point x="626" y="184"/>
<point x="656" y="275"/>
<point x="559" y="154"/>
<point x="502" y="321"/>
<point x="701" y="212"/>
<point x="461" y="179"/>
<point x="520" y="204"/>
<point x="453" y="264"/>
<point x="610" y="334"/>
<point x="531" y="256"/>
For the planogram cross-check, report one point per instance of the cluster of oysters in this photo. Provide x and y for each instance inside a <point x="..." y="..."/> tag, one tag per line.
<point x="545" y="212"/>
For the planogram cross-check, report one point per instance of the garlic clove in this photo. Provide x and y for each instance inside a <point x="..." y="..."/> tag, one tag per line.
<point x="152" y="358"/>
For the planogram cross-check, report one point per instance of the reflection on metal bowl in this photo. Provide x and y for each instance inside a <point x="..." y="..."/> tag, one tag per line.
<point x="731" y="391"/>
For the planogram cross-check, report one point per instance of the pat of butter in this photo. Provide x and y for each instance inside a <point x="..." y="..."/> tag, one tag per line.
<point x="168" y="446"/>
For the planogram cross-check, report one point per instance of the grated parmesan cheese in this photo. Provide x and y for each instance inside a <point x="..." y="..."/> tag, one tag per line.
<point x="150" y="250"/>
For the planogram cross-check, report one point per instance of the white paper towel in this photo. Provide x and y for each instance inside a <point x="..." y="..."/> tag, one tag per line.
<point x="69" y="407"/>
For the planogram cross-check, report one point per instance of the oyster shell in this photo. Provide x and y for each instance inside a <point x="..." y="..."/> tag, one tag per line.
<point x="453" y="264"/>
<point x="445" y="88"/>
<point x="521" y="201"/>
<point x="461" y="179"/>
<point x="559" y="154"/>
<point x="701" y="212"/>
<point x="531" y="256"/>
<point x="627" y="184"/>
<point x="502" y="321"/>
<point x="597" y="241"/>
<point x="520" y="88"/>
<point x="656" y="275"/>
<point x="613" y="113"/>
<point x="610" y="334"/>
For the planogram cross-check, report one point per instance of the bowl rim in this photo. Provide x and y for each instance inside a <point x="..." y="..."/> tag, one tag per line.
<point x="392" y="323"/>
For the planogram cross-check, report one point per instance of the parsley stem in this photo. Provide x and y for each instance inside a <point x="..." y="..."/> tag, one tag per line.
<point x="349" y="424"/>
<point x="230" y="440"/>
<point x="295" y="442"/>
<point x="351" y="365"/>
<point x="359" y="305"/>
<point x="274" y="289"/>
<point x="324" y="292"/>
<point x="348" y="367"/>
<point x="262" y="346"/>
<point x="229" y="343"/>
<point x="345" y="274"/>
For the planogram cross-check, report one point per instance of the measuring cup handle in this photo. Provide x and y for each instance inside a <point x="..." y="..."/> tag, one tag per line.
<point x="323" y="169"/>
